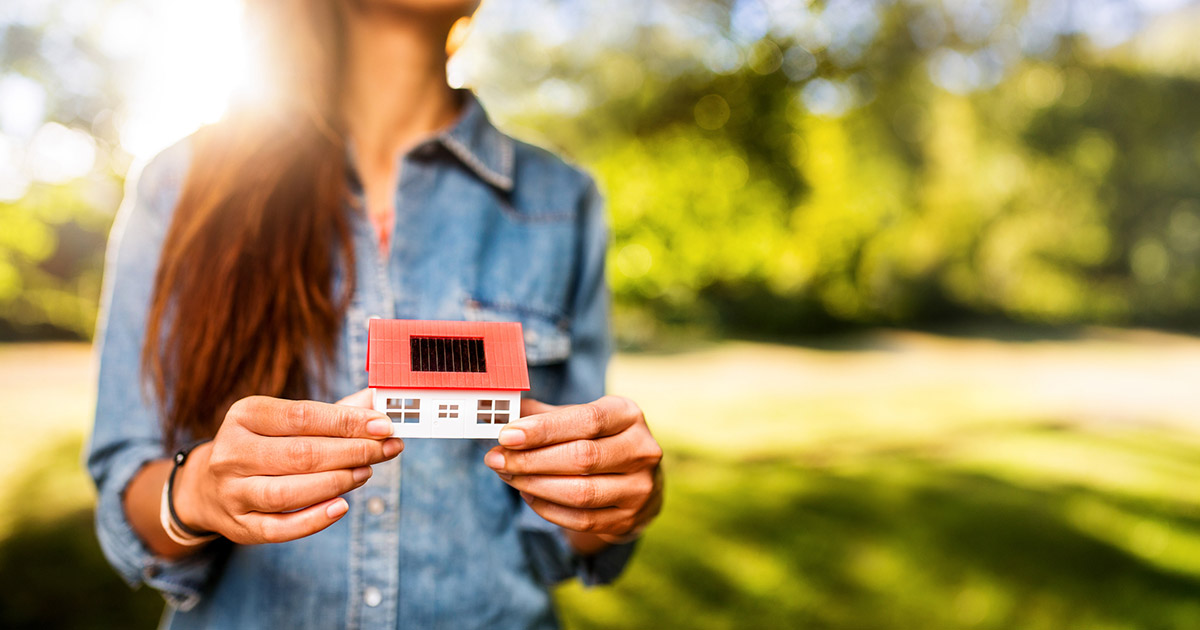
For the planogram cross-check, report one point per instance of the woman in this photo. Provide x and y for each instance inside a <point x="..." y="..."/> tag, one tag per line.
<point x="240" y="276"/>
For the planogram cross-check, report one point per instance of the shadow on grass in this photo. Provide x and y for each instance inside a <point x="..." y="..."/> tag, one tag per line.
<point x="903" y="544"/>
<point x="52" y="572"/>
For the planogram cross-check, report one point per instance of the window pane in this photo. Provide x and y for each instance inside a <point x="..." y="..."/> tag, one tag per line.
<point x="454" y="407"/>
<point x="412" y="417"/>
<point x="395" y="416"/>
<point x="412" y="403"/>
<point x="501" y="418"/>
<point x="441" y="414"/>
<point x="483" y="418"/>
<point x="502" y="405"/>
<point x="393" y="403"/>
<point x="447" y="354"/>
<point x="485" y="405"/>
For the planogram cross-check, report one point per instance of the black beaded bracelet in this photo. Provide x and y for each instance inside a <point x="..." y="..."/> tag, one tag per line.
<point x="180" y="458"/>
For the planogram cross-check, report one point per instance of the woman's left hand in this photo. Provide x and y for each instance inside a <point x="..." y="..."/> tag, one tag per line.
<point x="590" y="468"/>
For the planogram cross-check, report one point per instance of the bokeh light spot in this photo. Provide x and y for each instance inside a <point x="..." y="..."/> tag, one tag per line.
<point x="634" y="260"/>
<point x="712" y="112"/>
<point x="58" y="154"/>
<point x="1150" y="261"/>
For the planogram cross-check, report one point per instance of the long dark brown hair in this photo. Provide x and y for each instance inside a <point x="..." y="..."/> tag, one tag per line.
<point x="244" y="299"/>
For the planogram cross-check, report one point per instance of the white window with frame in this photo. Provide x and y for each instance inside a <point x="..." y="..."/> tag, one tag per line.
<point x="407" y="410"/>
<point x="492" y="412"/>
<point x="448" y="411"/>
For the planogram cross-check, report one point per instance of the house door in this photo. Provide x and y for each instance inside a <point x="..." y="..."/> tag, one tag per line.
<point x="447" y="419"/>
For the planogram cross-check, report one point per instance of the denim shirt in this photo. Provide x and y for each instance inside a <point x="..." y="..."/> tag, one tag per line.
<point x="486" y="228"/>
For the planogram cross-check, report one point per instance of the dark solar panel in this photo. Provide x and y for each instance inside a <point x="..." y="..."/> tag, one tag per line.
<point x="447" y="354"/>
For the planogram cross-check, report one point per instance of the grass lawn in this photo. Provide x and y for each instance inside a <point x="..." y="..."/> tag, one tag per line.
<point x="886" y="480"/>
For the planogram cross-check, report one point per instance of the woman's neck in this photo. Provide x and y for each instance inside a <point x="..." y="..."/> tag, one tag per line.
<point x="395" y="90"/>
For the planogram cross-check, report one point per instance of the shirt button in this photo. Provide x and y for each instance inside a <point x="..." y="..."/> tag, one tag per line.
<point x="372" y="597"/>
<point x="375" y="506"/>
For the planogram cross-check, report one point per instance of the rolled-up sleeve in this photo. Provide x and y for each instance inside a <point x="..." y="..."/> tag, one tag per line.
<point x="583" y="381"/>
<point x="127" y="433"/>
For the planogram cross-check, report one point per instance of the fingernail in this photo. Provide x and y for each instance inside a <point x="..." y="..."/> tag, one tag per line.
<point x="512" y="437"/>
<point x="379" y="426"/>
<point x="505" y="476"/>
<point x="392" y="447"/>
<point x="494" y="460"/>
<point x="362" y="474"/>
<point x="337" y="508"/>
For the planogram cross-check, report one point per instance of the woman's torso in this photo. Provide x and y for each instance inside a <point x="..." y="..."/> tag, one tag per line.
<point x="485" y="229"/>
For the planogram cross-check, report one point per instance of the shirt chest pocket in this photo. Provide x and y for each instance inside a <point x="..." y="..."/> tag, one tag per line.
<point x="547" y="344"/>
<point x="547" y="340"/>
<point x="524" y="271"/>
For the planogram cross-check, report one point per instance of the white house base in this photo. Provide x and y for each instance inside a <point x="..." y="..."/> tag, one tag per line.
<point x="447" y="413"/>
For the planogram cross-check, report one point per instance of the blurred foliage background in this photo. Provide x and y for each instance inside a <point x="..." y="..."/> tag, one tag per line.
<point x="794" y="167"/>
<point x="1007" y="173"/>
<point x="780" y="167"/>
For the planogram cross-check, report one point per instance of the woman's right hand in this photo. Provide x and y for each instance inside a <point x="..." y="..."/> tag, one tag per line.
<point x="276" y="469"/>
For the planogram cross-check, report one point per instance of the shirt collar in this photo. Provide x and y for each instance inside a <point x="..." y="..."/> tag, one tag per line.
<point x="473" y="140"/>
<point x="480" y="146"/>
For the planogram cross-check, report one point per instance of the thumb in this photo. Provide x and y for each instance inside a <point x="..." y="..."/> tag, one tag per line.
<point x="360" y="398"/>
<point x="531" y="407"/>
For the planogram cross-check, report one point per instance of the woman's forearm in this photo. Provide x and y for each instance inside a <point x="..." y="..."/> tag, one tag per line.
<point x="143" y="501"/>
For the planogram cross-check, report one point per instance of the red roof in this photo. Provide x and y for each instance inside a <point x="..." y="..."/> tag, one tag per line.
<point x="389" y="361"/>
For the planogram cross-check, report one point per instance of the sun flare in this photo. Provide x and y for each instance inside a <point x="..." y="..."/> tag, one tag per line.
<point x="200" y="57"/>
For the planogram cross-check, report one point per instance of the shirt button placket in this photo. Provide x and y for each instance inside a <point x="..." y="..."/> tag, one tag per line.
<point x="375" y="528"/>
<point x="379" y="562"/>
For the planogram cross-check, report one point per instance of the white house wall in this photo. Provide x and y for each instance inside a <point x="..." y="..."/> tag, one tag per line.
<point x="467" y="400"/>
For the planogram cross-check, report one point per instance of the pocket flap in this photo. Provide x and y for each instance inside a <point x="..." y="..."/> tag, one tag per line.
<point x="546" y="337"/>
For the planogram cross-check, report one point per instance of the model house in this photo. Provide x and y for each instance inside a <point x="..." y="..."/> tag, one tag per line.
<point x="446" y="379"/>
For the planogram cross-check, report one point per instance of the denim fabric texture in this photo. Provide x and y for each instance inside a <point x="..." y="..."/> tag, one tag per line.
<point x="486" y="228"/>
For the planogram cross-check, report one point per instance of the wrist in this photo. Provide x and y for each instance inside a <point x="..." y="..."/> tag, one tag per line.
<point x="191" y="490"/>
